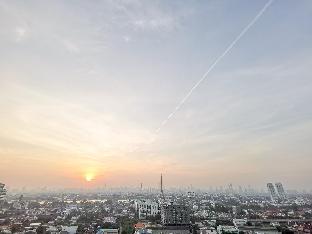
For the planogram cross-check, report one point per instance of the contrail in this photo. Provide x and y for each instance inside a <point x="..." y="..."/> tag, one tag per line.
<point x="212" y="66"/>
<point x="205" y="75"/>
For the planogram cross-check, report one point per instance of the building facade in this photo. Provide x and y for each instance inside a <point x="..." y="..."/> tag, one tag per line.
<point x="272" y="191"/>
<point x="175" y="215"/>
<point x="145" y="208"/>
<point x="280" y="191"/>
<point x="2" y="191"/>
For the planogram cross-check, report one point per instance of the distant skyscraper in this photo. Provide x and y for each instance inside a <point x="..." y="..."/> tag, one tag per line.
<point x="161" y="187"/>
<point x="2" y="191"/>
<point x="230" y="189"/>
<point x="161" y="184"/>
<point x="273" y="194"/>
<point x="240" y="190"/>
<point x="280" y="190"/>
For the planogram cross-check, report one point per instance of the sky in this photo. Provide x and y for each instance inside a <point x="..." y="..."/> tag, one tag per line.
<point x="95" y="93"/>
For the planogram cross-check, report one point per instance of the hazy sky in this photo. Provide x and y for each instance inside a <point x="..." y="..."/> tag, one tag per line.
<point x="84" y="85"/>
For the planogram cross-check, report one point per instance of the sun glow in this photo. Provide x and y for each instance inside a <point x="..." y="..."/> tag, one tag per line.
<point x="89" y="177"/>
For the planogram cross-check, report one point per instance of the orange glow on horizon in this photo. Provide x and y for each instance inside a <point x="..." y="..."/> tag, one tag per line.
<point x="89" y="177"/>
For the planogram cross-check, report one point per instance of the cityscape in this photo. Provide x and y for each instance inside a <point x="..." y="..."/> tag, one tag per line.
<point x="144" y="211"/>
<point x="155" y="117"/>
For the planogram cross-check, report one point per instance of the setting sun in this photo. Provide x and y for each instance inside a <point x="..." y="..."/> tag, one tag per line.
<point x="89" y="177"/>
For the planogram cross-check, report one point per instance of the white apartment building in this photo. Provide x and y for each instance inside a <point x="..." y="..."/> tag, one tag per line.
<point x="146" y="208"/>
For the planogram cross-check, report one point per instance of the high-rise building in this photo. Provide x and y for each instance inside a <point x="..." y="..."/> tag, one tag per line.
<point x="230" y="189"/>
<point x="273" y="194"/>
<point x="146" y="208"/>
<point x="280" y="190"/>
<point x="175" y="215"/>
<point x="2" y="191"/>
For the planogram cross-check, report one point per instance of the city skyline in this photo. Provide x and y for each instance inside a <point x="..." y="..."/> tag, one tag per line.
<point x="91" y="93"/>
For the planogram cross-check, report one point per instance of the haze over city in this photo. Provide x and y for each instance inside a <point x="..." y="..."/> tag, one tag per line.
<point x="96" y="93"/>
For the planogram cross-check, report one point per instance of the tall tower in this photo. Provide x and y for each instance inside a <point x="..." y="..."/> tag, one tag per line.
<point x="161" y="187"/>
<point x="280" y="190"/>
<point x="161" y="184"/>
<point x="273" y="194"/>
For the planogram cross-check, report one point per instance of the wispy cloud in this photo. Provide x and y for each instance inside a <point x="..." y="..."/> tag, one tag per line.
<point x="87" y="83"/>
<point x="51" y="123"/>
<point x="155" y="24"/>
<point x="70" y="46"/>
<point x="21" y="33"/>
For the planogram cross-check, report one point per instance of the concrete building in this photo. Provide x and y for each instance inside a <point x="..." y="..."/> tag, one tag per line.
<point x="2" y="191"/>
<point x="239" y="222"/>
<point x="206" y="230"/>
<point x="175" y="215"/>
<point x="171" y="231"/>
<point x="69" y="230"/>
<point x="273" y="194"/>
<point x="227" y="229"/>
<point x="146" y="208"/>
<point x="107" y="231"/>
<point x="164" y="231"/>
<point x="280" y="191"/>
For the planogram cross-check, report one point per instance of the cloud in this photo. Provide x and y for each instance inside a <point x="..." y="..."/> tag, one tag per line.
<point x="21" y="33"/>
<point x="155" y="24"/>
<point x="45" y="121"/>
<point x="70" y="46"/>
<point x="126" y="39"/>
<point x="78" y="92"/>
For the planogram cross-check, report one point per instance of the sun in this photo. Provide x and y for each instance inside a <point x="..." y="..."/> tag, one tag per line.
<point x="89" y="177"/>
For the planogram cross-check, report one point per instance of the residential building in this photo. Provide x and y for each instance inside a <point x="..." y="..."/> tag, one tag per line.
<point x="145" y="208"/>
<point x="175" y="214"/>
<point x="107" y="231"/>
<point x="280" y="191"/>
<point x="2" y="191"/>
<point x="227" y="229"/>
<point x="272" y="191"/>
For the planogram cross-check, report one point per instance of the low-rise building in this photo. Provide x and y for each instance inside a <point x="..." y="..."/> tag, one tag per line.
<point x="227" y="229"/>
<point x="107" y="231"/>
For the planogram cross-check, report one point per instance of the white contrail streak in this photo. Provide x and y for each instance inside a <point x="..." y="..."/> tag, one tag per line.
<point x="212" y="66"/>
